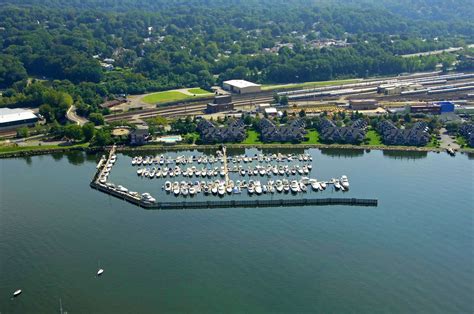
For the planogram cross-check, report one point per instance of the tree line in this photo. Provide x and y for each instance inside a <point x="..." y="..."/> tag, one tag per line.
<point x="159" y="45"/>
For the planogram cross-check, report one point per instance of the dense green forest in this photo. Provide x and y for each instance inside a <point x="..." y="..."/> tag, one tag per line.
<point x="157" y="44"/>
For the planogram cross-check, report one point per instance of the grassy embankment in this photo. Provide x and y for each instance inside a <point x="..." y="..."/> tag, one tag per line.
<point x="461" y="141"/>
<point x="312" y="137"/>
<point x="373" y="138"/>
<point x="174" y="95"/>
<point x="252" y="138"/>
<point x="308" y="84"/>
<point x="8" y="148"/>
<point x="433" y="143"/>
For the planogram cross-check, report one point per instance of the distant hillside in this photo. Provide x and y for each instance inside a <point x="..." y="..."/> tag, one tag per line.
<point x="421" y="9"/>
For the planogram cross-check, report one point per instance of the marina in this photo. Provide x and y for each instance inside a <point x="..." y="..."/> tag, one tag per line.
<point x="239" y="251"/>
<point x="193" y="177"/>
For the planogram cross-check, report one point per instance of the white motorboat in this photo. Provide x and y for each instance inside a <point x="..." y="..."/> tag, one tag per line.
<point x="100" y="272"/>
<point x="345" y="182"/>
<point x="176" y="190"/>
<point x="337" y="185"/>
<point x="192" y="190"/>
<point x="17" y="293"/>
<point x="303" y="187"/>
<point x="122" y="189"/>
<point x="214" y="189"/>
<point x="294" y="186"/>
<point x="184" y="190"/>
<point x="221" y="190"/>
<point x="250" y="189"/>
<point x="323" y="185"/>
<point x="279" y="187"/>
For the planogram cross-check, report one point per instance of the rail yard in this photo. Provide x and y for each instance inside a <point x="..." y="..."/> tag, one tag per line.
<point x="431" y="86"/>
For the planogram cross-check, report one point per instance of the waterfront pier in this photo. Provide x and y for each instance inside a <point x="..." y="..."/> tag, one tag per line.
<point x="250" y="203"/>
<point x="145" y="200"/>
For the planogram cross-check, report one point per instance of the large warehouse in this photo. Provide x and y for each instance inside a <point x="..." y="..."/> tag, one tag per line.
<point x="241" y="86"/>
<point x="13" y="118"/>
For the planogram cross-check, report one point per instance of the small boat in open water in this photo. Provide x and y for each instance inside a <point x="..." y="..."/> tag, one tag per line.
<point x="17" y="293"/>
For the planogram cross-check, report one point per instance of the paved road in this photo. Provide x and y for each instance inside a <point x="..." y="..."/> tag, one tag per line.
<point x="447" y="141"/>
<point x="73" y="117"/>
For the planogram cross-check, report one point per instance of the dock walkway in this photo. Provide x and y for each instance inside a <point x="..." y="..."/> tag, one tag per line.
<point x="248" y="203"/>
<point x="190" y="204"/>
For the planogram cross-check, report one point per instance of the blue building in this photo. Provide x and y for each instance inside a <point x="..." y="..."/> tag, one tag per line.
<point x="446" y="106"/>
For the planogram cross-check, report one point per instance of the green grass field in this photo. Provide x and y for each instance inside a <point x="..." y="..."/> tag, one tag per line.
<point x="461" y="141"/>
<point x="374" y="138"/>
<point x="173" y="95"/>
<point x="433" y="142"/>
<point x="308" y="84"/>
<point x="312" y="137"/>
<point x="252" y="138"/>
<point x="165" y="97"/>
<point x="198" y="91"/>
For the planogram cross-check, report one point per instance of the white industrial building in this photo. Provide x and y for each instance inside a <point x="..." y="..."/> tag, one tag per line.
<point x="241" y="86"/>
<point x="262" y="107"/>
<point x="14" y="118"/>
<point x="271" y="112"/>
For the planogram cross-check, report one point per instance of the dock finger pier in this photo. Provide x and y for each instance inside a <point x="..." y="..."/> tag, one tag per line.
<point x="225" y="181"/>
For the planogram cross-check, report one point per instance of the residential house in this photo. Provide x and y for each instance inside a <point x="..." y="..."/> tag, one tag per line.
<point x="210" y="133"/>
<point x="353" y="134"/>
<point x="467" y="131"/>
<point x="417" y="135"/>
<point x="291" y="132"/>
<point x="140" y="135"/>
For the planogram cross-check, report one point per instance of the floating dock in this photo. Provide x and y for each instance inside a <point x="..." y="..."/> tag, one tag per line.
<point x="190" y="204"/>
<point x="249" y="203"/>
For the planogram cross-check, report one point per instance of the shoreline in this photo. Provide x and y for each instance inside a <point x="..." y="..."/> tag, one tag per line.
<point x="34" y="151"/>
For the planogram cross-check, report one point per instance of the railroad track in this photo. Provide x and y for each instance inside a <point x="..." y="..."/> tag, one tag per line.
<point x="267" y="96"/>
<point x="183" y="109"/>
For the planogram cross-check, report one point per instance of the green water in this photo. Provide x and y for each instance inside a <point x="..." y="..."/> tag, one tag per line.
<point x="412" y="253"/>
